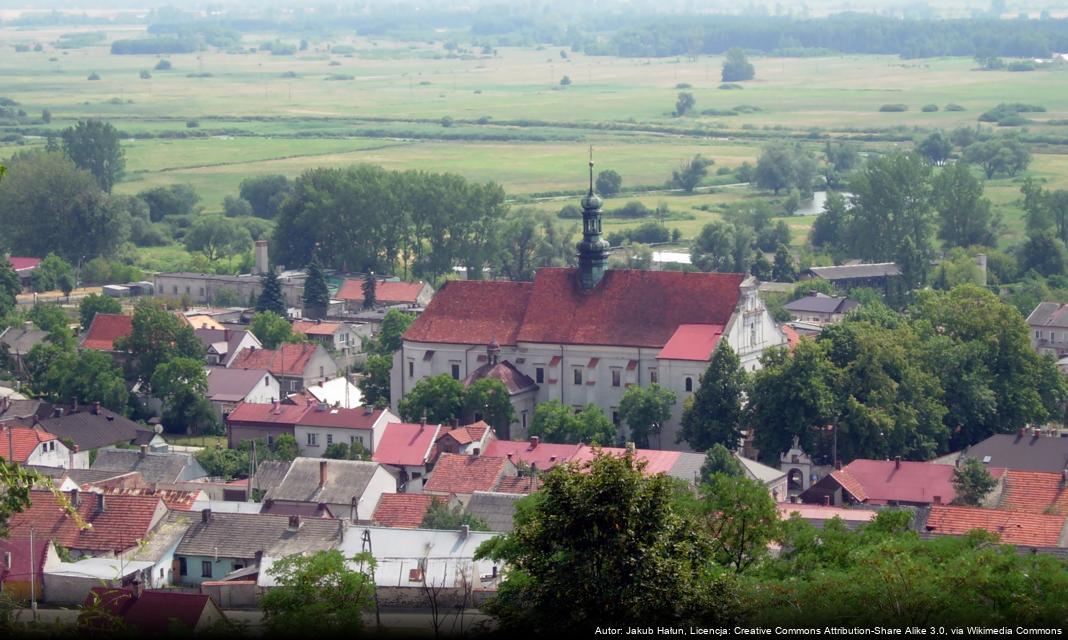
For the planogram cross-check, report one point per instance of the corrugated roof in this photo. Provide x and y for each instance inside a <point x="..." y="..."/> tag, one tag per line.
<point x="821" y="303"/>
<point x="345" y="480"/>
<point x="405" y="510"/>
<point x="232" y="385"/>
<point x="153" y="612"/>
<point x="92" y="428"/>
<point x="241" y="535"/>
<point x="692" y="342"/>
<point x="20" y="339"/>
<point x="154" y="467"/>
<point x="1022" y="452"/>
<point x="1013" y="527"/>
<point x="848" y="272"/>
<point x="18" y="264"/>
<point x="105" y="329"/>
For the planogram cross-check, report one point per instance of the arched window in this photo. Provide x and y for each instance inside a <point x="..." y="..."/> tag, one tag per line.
<point x="689" y="384"/>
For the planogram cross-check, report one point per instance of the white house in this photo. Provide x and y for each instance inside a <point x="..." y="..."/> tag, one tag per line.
<point x="323" y="425"/>
<point x="30" y="446"/>
<point x="228" y="388"/>
<point x="349" y="489"/>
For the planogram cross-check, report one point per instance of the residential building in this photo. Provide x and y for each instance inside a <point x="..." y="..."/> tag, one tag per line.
<point x="154" y="467"/>
<point x="820" y="309"/>
<point x="496" y="509"/>
<point x="26" y="445"/>
<point x="1049" y="328"/>
<point x="819" y="515"/>
<point x="19" y="341"/>
<point x="1028" y="530"/>
<point x="402" y="510"/>
<point x="70" y="583"/>
<point x="388" y="293"/>
<point x="228" y="388"/>
<point x="350" y="489"/>
<point x="92" y="427"/>
<point x="221" y="346"/>
<point x="881" y="276"/>
<point x="466" y="439"/>
<point x="344" y="339"/>
<point x="321" y="426"/>
<point x="218" y="544"/>
<point x="887" y="482"/>
<point x="770" y="477"/>
<point x="105" y="329"/>
<point x="22" y="572"/>
<point x="256" y="421"/>
<point x="1026" y="450"/>
<point x="410" y="449"/>
<point x="297" y="366"/>
<point x="583" y="335"/>
<point x="18" y="409"/>
<point x="461" y="475"/>
<point x="24" y="268"/>
<point x="158" y="613"/>
<point x="339" y="392"/>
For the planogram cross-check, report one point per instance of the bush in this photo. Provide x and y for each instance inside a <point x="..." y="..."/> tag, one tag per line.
<point x="339" y="76"/>
<point x="289" y="74"/>
<point x="893" y="108"/>
<point x="22" y="48"/>
<point x="565" y="81"/>
<point x="447" y="121"/>
<point x="145" y="75"/>
<point x="719" y="112"/>
<point x="1014" y="121"/>
<point x="929" y="108"/>
<point x="163" y="65"/>
<point x="153" y="45"/>
<point x="730" y="86"/>
<point x="94" y="76"/>
<point x="570" y="212"/>
<point x="191" y="124"/>
<point x="236" y="207"/>
<point x="1022" y="65"/>
<point x="198" y="75"/>
<point x="335" y="63"/>
<point x="632" y="209"/>
<point x="649" y="233"/>
<point x="1005" y="110"/>
<point x="953" y="106"/>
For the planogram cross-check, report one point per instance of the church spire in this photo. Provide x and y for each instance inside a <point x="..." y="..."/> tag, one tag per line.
<point x="593" y="250"/>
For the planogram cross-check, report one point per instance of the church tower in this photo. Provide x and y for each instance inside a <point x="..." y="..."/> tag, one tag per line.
<point x="593" y="250"/>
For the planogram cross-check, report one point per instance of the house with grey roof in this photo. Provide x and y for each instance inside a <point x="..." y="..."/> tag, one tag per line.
<point x="844" y="277"/>
<point x="1025" y="450"/>
<point x="819" y="308"/>
<point x="218" y="544"/>
<point x="228" y="388"/>
<point x="495" y="509"/>
<point x="1049" y="328"/>
<point x="91" y="427"/>
<point x="19" y="341"/>
<point x="154" y="467"/>
<point x="347" y="488"/>
<point x="221" y="346"/>
<point x="772" y="478"/>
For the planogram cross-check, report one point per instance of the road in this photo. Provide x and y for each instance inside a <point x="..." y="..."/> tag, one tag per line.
<point x="28" y="299"/>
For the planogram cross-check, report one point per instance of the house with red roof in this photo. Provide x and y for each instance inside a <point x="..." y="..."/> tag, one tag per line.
<point x="460" y="475"/>
<point x="402" y="510"/>
<point x="29" y="445"/>
<point x="1037" y="531"/>
<point x="156" y="612"/>
<point x="409" y="448"/>
<point x="887" y="482"/>
<point x="342" y="338"/>
<point x="24" y="268"/>
<point x="105" y="329"/>
<point x="296" y="366"/>
<point x="388" y="293"/>
<point x="314" y="425"/>
<point x="1037" y="492"/>
<point x="583" y="335"/>
<point x="466" y="439"/>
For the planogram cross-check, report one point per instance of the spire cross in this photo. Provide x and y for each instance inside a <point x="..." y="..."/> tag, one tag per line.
<point x="591" y="168"/>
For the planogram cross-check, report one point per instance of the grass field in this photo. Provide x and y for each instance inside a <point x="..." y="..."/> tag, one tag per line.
<point x="514" y="123"/>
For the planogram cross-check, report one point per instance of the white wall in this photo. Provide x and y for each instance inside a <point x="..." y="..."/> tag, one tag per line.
<point x="381" y="482"/>
<point x="51" y="454"/>
<point x="366" y="436"/>
<point x="264" y="393"/>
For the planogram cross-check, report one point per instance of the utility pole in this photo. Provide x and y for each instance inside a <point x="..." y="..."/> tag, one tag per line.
<point x="33" y="580"/>
<point x="366" y="539"/>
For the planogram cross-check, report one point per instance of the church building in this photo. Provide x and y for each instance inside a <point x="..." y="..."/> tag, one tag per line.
<point x="583" y="335"/>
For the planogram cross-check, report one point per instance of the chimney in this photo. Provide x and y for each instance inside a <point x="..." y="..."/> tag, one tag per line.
<point x="205" y="515"/>
<point x="475" y="452"/>
<point x="837" y="465"/>
<point x="74" y="499"/>
<point x="368" y="409"/>
<point x="826" y="501"/>
<point x="103" y="503"/>
<point x="422" y="421"/>
<point x="138" y="588"/>
<point x="509" y="457"/>
<point x="897" y="462"/>
<point x="322" y="473"/>
<point x="294" y="524"/>
<point x="259" y="558"/>
<point x="96" y="408"/>
<point x="534" y="440"/>
<point x="465" y="530"/>
<point x="277" y="408"/>
<point x="936" y="500"/>
<point x="261" y="264"/>
<point x="144" y="450"/>
<point x="1064" y="478"/>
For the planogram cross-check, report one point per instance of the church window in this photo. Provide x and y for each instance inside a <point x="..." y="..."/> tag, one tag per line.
<point x="455" y="370"/>
<point x="654" y="376"/>
<point x="617" y="377"/>
<point x="411" y="368"/>
<point x="689" y="383"/>
<point x="539" y="375"/>
<point x="577" y="371"/>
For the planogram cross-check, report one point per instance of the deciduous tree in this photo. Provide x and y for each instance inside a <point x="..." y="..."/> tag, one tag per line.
<point x="440" y="398"/>
<point x="645" y="410"/>
<point x="323" y="593"/>
<point x="94" y="145"/>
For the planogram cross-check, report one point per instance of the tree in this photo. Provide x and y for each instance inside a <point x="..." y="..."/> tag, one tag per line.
<point x="345" y="451"/>
<point x="319" y="594"/>
<point x="217" y="237"/>
<point x="49" y="317"/>
<point x="935" y="148"/>
<point x="716" y="415"/>
<point x="93" y="145"/>
<point x="181" y="383"/>
<point x="53" y="273"/>
<point x="760" y="268"/>
<point x="742" y="519"/>
<point x="609" y="182"/>
<point x="685" y="103"/>
<point x="236" y="207"/>
<point x="829" y="228"/>
<point x="316" y="294"/>
<point x="370" y="286"/>
<point x="271" y="329"/>
<point x="971" y="482"/>
<point x="44" y="198"/>
<point x="723" y="248"/>
<point x="720" y="461"/>
<point x="391" y="334"/>
<point x="487" y="399"/>
<point x="173" y="200"/>
<point x="964" y="214"/>
<point x="690" y="173"/>
<point x="736" y="67"/>
<point x="265" y="193"/>
<point x="998" y="155"/>
<point x="271" y="298"/>
<point x="85" y="377"/>
<point x="1044" y="253"/>
<point x="440" y="516"/>
<point x="557" y="423"/>
<point x="374" y="385"/>
<point x="10" y="286"/>
<point x="440" y="398"/>
<point x="645" y="410"/>
<point x="783" y="270"/>
<point x="93" y="304"/>
<point x="602" y="545"/>
<point x="565" y="81"/>
<point x="782" y="167"/>
<point x="158" y="336"/>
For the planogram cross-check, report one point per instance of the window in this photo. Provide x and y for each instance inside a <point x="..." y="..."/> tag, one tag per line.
<point x="266" y="381"/>
<point x="175" y="289"/>
<point x="752" y="335"/>
<point x="320" y="372"/>
<point x="615" y="417"/>
<point x="539" y="375"/>
<point x="524" y="420"/>
<point x="689" y="383"/>
<point x="577" y="372"/>
<point x="181" y="567"/>
<point x="270" y="440"/>
<point x="205" y="569"/>
<point x="239" y="565"/>
<point x="455" y="366"/>
<point x="411" y="368"/>
<point x="187" y="289"/>
<point x="654" y="376"/>
<point x="355" y="439"/>
<point x="416" y="474"/>
<point x="577" y="408"/>
<point x="313" y="439"/>
<point x="202" y="291"/>
<point x="329" y="439"/>
<point x="617" y="376"/>
<point x="7" y="559"/>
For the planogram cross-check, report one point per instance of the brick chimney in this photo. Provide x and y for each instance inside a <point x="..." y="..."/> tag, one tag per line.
<point x="322" y="473"/>
<point x="936" y="500"/>
<point x="475" y="452"/>
<point x="96" y="408"/>
<point x="897" y="462"/>
<point x="534" y="440"/>
<point x="205" y="515"/>
<point x="103" y="506"/>
<point x="74" y="499"/>
<point x="294" y="524"/>
<point x="144" y="450"/>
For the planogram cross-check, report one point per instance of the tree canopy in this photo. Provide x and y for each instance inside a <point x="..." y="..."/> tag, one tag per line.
<point x="645" y="410"/>
<point x="715" y="416"/>
<point x="94" y="145"/>
<point x="558" y="423"/>
<point x="321" y="593"/>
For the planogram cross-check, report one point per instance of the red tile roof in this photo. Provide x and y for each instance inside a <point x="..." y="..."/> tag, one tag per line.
<point x="881" y="481"/>
<point x="175" y="499"/>
<point x="467" y="434"/>
<point x="792" y="337"/>
<point x="24" y="440"/>
<point x="1025" y="529"/>
<point x="313" y="328"/>
<point x="473" y="312"/>
<point x="105" y="328"/>
<point x="124" y="521"/>
<point x="287" y="360"/>
<point x="339" y="418"/>
<point x="821" y="512"/>
<point x="692" y="342"/>
<point x="406" y="444"/>
<point x="402" y="509"/>
<point x="1035" y="492"/>
<point x="656" y="461"/>
<point x="517" y="484"/>
<point x="455" y="473"/>
<point x="386" y="292"/>
<point x="260" y="413"/>
<point x="545" y="456"/>
<point x="154" y="612"/>
<point x="513" y="379"/>
<point x="18" y="264"/>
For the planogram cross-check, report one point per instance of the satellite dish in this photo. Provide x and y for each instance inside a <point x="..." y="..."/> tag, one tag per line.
<point x="158" y="429"/>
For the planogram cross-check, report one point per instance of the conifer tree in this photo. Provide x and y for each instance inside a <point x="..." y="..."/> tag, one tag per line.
<point x="369" y="287"/>
<point x="271" y="298"/>
<point x="316" y="294"/>
<point x="715" y="415"/>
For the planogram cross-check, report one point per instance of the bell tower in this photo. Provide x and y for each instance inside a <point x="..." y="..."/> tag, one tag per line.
<point x="593" y="250"/>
